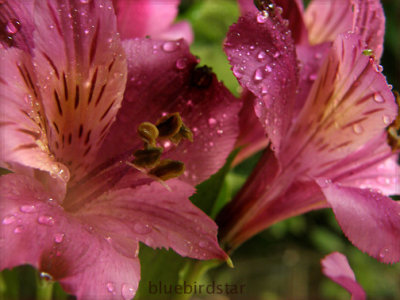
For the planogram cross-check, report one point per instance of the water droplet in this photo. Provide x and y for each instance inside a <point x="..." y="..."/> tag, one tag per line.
<point x="85" y="1"/>
<point x="9" y="220"/>
<point x="261" y="55"/>
<point x="220" y="131"/>
<point x="46" y="276"/>
<point x="181" y="63"/>
<point x="268" y="69"/>
<point x="277" y="54"/>
<point x="383" y="253"/>
<point x="258" y="75"/>
<point x="262" y="17"/>
<point x="379" y="68"/>
<point x="142" y="228"/>
<point x="27" y="208"/>
<point x="378" y="98"/>
<point x="167" y="145"/>
<point x="46" y="220"/>
<point x="203" y="244"/>
<point x="86" y="31"/>
<point x="312" y="77"/>
<point x="212" y="122"/>
<point x="13" y="26"/>
<point x="170" y="46"/>
<point x="128" y="291"/>
<point x="386" y="119"/>
<point x="238" y="71"/>
<point x="59" y="237"/>
<point x="18" y="229"/>
<point x="111" y="287"/>
<point x="358" y="129"/>
<point x="189" y="103"/>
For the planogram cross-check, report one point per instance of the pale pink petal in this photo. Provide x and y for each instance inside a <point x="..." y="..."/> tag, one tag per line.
<point x="351" y="104"/>
<point x="163" y="79"/>
<point x="326" y="19"/>
<point x="179" y="30"/>
<point x="16" y="24"/>
<point x="22" y="130"/>
<point x="34" y="230"/>
<point x="139" y="18"/>
<point x="370" y="220"/>
<point x="337" y="268"/>
<point x="292" y="11"/>
<point x="369" y="22"/>
<point x="81" y="73"/>
<point x="262" y="54"/>
<point x="159" y="218"/>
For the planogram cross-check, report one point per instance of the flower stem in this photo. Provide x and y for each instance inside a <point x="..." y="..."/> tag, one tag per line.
<point x="44" y="289"/>
<point x="192" y="273"/>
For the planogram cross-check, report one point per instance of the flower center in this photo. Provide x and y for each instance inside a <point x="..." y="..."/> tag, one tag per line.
<point x="394" y="129"/>
<point x="148" y="160"/>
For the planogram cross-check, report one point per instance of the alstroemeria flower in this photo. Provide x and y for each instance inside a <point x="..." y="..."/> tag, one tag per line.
<point x="326" y="122"/>
<point x="337" y="268"/>
<point x="153" y="18"/>
<point x="77" y="106"/>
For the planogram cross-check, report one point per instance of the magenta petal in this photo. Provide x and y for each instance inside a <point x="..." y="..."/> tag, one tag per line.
<point x="369" y="22"/>
<point x="326" y="19"/>
<point x="351" y="104"/>
<point x="81" y="74"/>
<point x="179" y="30"/>
<point x="17" y="24"/>
<point x="160" y="218"/>
<point x="162" y="79"/>
<point x="37" y="231"/>
<point x="337" y="268"/>
<point x="150" y="17"/>
<point x="292" y="11"/>
<point x="369" y="219"/>
<point x="262" y="54"/>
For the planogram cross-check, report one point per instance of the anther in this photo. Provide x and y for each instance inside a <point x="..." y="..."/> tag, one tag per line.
<point x="168" y="169"/>
<point x="393" y="137"/>
<point x="169" y="125"/>
<point x="148" y="133"/>
<point x="147" y="158"/>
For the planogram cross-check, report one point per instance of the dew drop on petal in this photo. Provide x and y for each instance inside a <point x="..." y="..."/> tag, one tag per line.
<point x="358" y="129"/>
<point x="261" y="55"/>
<point x="312" y="77"/>
<point x="378" y="98"/>
<point x="110" y="287"/>
<point x="212" y="122"/>
<point x="181" y="63"/>
<point x="386" y="119"/>
<point x="13" y="26"/>
<point x="383" y="253"/>
<point x="258" y="75"/>
<point x="142" y="228"/>
<point x="9" y="219"/>
<point x="276" y="54"/>
<point x="27" y="208"/>
<point x="220" y="131"/>
<point x="170" y="46"/>
<point x="262" y="17"/>
<point x="18" y="229"/>
<point x="268" y="68"/>
<point x="46" y="276"/>
<point x="238" y="71"/>
<point x="85" y="1"/>
<point x="203" y="244"/>
<point x="128" y="291"/>
<point x="59" y="237"/>
<point x="46" y="220"/>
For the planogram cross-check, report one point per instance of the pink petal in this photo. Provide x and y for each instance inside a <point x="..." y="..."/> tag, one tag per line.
<point x="336" y="267"/>
<point x="17" y="24"/>
<point x="179" y="30"/>
<point x="158" y="218"/>
<point x="150" y="17"/>
<point x="261" y="52"/>
<point x="22" y="134"/>
<point x="251" y="137"/>
<point x="369" y="22"/>
<point x="81" y="74"/>
<point x="162" y="79"/>
<point x="37" y="231"/>
<point x="292" y="11"/>
<point x="370" y="220"/>
<point x="351" y="104"/>
<point x="326" y="19"/>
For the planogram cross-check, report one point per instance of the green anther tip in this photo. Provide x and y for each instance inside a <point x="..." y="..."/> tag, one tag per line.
<point x="229" y="262"/>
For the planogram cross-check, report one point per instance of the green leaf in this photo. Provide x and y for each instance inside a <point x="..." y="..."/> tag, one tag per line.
<point x="210" y="196"/>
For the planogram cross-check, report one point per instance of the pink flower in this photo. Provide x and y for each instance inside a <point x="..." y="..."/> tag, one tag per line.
<point x="83" y="193"/>
<point x="336" y="267"/>
<point x="153" y="18"/>
<point x="325" y="119"/>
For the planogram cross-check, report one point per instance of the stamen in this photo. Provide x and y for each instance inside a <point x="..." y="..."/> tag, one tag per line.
<point x="169" y="125"/>
<point x="148" y="158"/>
<point x="184" y="133"/>
<point x="393" y="130"/>
<point x="168" y="169"/>
<point x="148" y="133"/>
